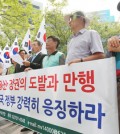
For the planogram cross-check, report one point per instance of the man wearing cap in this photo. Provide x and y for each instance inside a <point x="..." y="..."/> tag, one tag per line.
<point x="84" y="45"/>
<point x="114" y="49"/>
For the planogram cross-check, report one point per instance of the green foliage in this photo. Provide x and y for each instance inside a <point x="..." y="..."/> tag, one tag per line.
<point x="56" y="24"/>
<point x="15" y="19"/>
<point x="105" y="29"/>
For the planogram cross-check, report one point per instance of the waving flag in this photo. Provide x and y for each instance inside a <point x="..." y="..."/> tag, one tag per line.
<point x="26" y="42"/>
<point x="15" y="51"/>
<point x="6" y="56"/>
<point x="41" y="36"/>
<point x="14" y="47"/>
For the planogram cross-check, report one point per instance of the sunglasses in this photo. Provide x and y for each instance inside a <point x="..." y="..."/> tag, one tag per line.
<point x="73" y="17"/>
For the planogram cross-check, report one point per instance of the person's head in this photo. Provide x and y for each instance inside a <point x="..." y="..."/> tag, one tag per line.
<point x="52" y="43"/>
<point x="118" y="6"/>
<point x="36" y="46"/>
<point x="22" y="53"/>
<point x="77" y="20"/>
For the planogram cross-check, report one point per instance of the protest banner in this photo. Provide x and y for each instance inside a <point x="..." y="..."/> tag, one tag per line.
<point x="76" y="99"/>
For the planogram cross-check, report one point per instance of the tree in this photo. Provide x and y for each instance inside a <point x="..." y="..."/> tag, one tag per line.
<point x="105" y="29"/>
<point x="56" y="24"/>
<point x="16" y="17"/>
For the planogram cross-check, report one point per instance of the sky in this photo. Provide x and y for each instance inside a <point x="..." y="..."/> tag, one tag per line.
<point x="93" y="5"/>
<point x="90" y="6"/>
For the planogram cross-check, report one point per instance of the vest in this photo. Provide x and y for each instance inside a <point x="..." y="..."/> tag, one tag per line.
<point x="51" y="60"/>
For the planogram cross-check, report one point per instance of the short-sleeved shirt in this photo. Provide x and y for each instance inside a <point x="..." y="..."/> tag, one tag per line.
<point x="84" y="43"/>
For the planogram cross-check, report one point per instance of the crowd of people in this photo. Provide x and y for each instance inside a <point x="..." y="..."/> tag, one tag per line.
<point x="84" y="45"/>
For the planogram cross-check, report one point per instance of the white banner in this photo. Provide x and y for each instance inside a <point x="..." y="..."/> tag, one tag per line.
<point x="81" y="98"/>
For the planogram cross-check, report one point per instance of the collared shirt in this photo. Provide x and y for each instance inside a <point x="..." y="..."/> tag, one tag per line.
<point x="84" y="43"/>
<point x="52" y="53"/>
<point x="38" y="53"/>
<point x="34" y="55"/>
<point x="55" y="59"/>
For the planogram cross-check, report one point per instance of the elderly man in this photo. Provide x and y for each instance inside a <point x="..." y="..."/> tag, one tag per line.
<point x="84" y="45"/>
<point x="114" y="49"/>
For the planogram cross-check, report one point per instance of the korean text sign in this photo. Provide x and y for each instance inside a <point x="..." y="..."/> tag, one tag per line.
<point x="80" y="98"/>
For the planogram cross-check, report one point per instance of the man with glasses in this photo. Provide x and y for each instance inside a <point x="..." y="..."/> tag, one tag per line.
<point x="84" y="45"/>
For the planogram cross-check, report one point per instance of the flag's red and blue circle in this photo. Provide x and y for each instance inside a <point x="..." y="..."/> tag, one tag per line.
<point x="6" y="55"/>
<point x="15" y="50"/>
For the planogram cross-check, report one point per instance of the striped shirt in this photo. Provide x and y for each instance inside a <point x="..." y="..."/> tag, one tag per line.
<point x="84" y="43"/>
